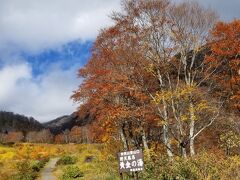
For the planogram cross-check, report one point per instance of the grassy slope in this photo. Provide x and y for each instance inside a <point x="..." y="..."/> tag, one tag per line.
<point x="101" y="165"/>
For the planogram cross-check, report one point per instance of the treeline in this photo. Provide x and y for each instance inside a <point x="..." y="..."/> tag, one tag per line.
<point x="165" y="76"/>
<point x="75" y="135"/>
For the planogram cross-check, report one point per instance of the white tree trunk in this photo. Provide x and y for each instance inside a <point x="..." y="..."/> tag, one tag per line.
<point x="166" y="131"/>
<point x="191" y="128"/>
<point x="166" y="141"/>
<point x="123" y="138"/>
<point x="145" y="145"/>
<point x="183" y="152"/>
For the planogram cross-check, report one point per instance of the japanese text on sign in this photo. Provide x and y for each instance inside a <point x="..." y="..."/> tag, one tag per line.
<point x="130" y="161"/>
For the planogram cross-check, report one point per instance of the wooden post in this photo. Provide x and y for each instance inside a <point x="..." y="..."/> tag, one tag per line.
<point x="121" y="176"/>
<point x="137" y="178"/>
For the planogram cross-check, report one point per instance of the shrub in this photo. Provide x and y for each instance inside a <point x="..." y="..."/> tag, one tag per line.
<point x="24" y="177"/>
<point x="71" y="172"/>
<point x="202" y="166"/>
<point x="39" y="164"/>
<point x="36" y="166"/>
<point x="66" y="160"/>
<point x="165" y="169"/>
<point x="25" y="171"/>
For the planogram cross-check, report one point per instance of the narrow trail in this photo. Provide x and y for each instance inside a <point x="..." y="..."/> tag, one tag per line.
<point x="46" y="173"/>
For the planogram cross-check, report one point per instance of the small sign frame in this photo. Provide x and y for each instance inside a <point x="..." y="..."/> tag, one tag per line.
<point x="130" y="161"/>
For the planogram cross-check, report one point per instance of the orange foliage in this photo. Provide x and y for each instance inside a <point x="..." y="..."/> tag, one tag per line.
<point x="225" y="47"/>
<point x="12" y="137"/>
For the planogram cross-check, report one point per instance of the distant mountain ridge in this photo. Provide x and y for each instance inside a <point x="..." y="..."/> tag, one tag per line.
<point x="62" y="123"/>
<point x="16" y="122"/>
<point x="10" y="121"/>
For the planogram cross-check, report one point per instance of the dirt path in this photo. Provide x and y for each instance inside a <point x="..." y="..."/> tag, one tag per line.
<point x="46" y="173"/>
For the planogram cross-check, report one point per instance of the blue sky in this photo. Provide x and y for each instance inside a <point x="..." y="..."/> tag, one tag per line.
<point x="72" y="53"/>
<point x="43" y="43"/>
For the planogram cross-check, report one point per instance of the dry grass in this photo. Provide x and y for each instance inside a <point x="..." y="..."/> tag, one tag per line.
<point x="93" y="162"/>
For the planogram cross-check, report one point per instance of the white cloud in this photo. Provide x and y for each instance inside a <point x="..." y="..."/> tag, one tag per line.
<point x="32" y="26"/>
<point x="227" y="10"/>
<point x="45" y="97"/>
<point x="10" y="76"/>
<point x="37" y="24"/>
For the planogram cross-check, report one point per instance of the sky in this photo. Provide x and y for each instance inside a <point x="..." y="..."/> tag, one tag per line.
<point x="44" y="42"/>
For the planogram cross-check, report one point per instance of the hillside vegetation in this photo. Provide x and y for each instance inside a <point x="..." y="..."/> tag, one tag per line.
<point x="98" y="162"/>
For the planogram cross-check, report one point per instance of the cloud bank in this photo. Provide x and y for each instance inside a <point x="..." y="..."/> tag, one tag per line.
<point x="34" y="25"/>
<point x="35" y="84"/>
<point x="227" y="10"/>
<point x="45" y="97"/>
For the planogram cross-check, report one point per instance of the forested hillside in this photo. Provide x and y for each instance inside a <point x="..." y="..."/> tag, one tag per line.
<point x="16" y="122"/>
<point x="62" y="123"/>
<point x="65" y="129"/>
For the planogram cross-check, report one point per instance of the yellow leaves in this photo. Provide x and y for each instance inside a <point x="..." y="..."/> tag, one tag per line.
<point x="184" y="118"/>
<point x="179" y="93"/>
<point x="6" y="153"/>
<point x="202" y="105"/>
<point x="166" y="95"/>
<point x="185" y="91"/>
<point x="151" y="69"/>
<point x="105" y="138"/>
<point x="230" y="140"/>
<point x="161" y="123"/>
<point x="35" y="151"/>
<point x="194" y="118"/>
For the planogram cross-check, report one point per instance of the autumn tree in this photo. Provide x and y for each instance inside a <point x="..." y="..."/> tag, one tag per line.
<point x="170" y="37"/>
<point x="12" y="137"/>
<point x="230" y="141"/>
<point x="31" y="136"/>
<point x="189" y="31"/>
<point x="75" y="135"/>
<point x="43" y="136"/>
<point x="148" y="72"/>
<point x="117" y="103"/>
<point x="66" y="135"/>
<point x="59" y="139"/>
<point x="224" y="44"/>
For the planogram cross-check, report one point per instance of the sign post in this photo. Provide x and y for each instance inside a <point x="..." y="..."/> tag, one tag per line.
<point x="130" y="161"/>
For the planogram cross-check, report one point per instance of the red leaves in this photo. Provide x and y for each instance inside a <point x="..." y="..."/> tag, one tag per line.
<point x="112" y="89"/>
<point x="225" y="47"/>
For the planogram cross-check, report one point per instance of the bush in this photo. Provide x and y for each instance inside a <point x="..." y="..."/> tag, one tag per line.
<point x="67" y="160"/>
<point x="39" y="164"/>
<point x="202" y="166"/>
<point x="24" y="177"/>
<point x="25" y="171"/>
<point x="36" y="166"/>
<point x="71" y="172"/>
<point x="164" y="169"/>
